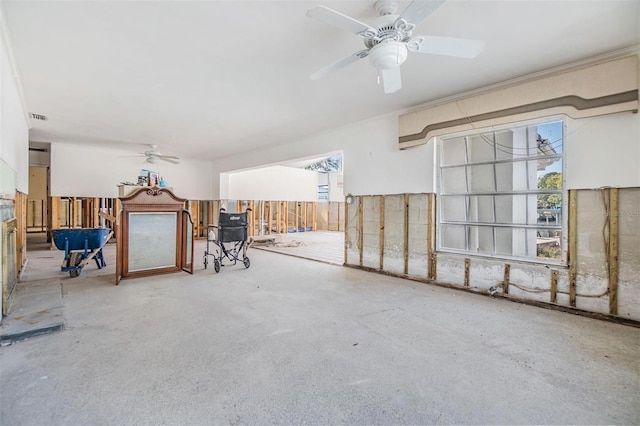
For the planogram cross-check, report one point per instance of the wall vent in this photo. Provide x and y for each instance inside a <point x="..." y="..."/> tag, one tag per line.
<point x="38" y="116"/>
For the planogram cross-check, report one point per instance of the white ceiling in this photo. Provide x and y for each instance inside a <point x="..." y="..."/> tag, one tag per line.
<point x="209" y="79"/>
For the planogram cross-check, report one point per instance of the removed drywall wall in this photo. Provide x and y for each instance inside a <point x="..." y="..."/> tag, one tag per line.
<point x="605" y="263"/>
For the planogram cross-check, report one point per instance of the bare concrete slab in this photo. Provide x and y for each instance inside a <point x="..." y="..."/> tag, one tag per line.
<point x="323" y="246"/>
<point x="290" y="341"/>
<point x="37" y="309"/>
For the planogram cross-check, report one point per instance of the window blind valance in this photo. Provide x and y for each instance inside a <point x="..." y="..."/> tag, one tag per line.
<point x="605" y="88"/>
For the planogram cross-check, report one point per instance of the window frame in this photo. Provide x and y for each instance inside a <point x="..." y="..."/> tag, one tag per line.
<point x="467" y="224"/>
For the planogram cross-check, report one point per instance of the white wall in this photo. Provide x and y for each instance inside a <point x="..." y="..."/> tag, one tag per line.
<point x="274" y="183"/>
<point x="88" y="171"/>
<point x="600" y="151"/>
<point x="336" y="192"/>
<point x="372" y="162"/>
<point x="603" y="151"/>
<point x="14" y="128"/>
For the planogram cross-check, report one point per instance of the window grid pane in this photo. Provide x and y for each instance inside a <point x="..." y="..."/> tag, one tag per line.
<point x="501" y="193"/>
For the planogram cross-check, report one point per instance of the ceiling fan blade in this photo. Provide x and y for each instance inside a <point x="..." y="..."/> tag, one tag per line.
<point x="342" y="21"/>
<point x="391" y="79"/>
<point x="170" y="159"/>
<point x="418" y="10"/>
<point x="449" y="46"/>
<point x="339" y="64"/>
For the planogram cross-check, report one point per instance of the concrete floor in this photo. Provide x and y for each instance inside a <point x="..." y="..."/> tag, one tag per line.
<point x="292" y="341"/>
<point x="324" y="246"/>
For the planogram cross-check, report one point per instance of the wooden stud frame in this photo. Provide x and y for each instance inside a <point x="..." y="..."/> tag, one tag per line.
<point x="505" y="281"/>
<point x="21" y="204"/>
<point x="252" y="218"/>
<point x="554" y="286"/>
<point x="406" y="234"/>
<point x="360" y="227"/>
<point x="573" y="245"/>
<point x="381" y="232"/>
<point x="314" y="214"/>
<point x="612" y="262"/>
<point x="346" y="229"/>
<point x="54" y="214"/>
<point x="285" y="214"/>
<point x="431" y="240"/>
<point x="467" y="264"/>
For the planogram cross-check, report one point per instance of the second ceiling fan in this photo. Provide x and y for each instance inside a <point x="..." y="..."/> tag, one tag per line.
<point x="152" y="156"/>
<point x="389" y="39"/>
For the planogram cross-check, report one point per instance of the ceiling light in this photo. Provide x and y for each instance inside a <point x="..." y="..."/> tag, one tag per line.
<point x="388" y="55"/>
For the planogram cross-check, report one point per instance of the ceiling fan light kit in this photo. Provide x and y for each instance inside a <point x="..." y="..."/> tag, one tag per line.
<point x="387" y="55"/>
<point x="390" y="38"/>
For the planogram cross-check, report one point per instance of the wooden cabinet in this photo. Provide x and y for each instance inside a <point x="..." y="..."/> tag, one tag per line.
<point x="154" y="234"/>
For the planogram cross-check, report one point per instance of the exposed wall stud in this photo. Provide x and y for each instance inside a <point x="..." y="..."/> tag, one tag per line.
<point x="54" y="214"/>
<point x="314" y="216"/>
<point x="346" y="228"/>
<point x="381" y="232"/>
<point x="406" y="233"/>
<point x="467" y="263"/>
<point x="505" y="282"/>
<point x="573" y="245"/>
<point x="431" y="244"/>
<point x="554" y="286"/>
<point x="285" y="215"/>
<point x="613" y="251"/>
<point x="252" y="217"/>
<point x="21" y="203"/>
<point x="306" y="215"/>
<point x="74" y="215"/>
<point x="434" y="266"/>
<point x="360" y="226"/>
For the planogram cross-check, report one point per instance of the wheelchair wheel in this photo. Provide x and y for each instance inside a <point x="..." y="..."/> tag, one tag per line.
<point x="216" y="265"/>
<point x="205" y="261"/>
<point x="246" y="262"/>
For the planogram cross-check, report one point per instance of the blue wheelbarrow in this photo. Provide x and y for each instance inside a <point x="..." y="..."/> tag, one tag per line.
<point x="80" y="246"/>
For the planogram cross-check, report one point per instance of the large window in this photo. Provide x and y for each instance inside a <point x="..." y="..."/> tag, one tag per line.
<point x="501" y="193"/>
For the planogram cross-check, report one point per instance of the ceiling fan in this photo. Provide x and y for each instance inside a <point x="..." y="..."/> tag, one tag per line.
<point x="389" y="39"/>
<point x="152" y="156"/>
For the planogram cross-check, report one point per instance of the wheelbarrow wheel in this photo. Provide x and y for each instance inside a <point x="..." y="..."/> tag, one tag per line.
<point x="246" y="262"/>
<point x="75" y="258"/>
<point x="216" y="266"/>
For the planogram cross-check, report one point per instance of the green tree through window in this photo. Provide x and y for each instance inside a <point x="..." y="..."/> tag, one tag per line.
<point x="551" y="180"/>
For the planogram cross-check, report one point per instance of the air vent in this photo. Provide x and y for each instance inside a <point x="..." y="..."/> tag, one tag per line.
<point x="38" y="116"/>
